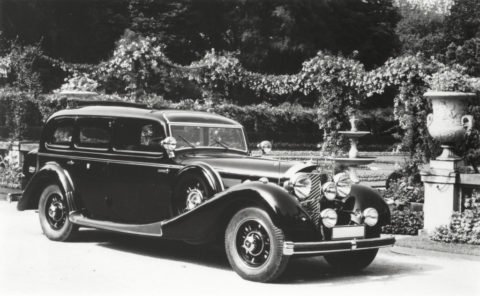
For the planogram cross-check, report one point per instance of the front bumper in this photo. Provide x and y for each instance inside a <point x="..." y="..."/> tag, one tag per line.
<point x="325" y="247"/>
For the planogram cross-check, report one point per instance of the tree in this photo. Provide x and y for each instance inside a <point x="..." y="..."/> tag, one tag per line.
<point x="270" y="36"/>
<point x="462" y="30"/>
<point x="421" y="30"/>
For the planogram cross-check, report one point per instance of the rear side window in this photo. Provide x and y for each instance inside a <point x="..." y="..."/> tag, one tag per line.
<point x="134" y="135"/>
<point x="61" y="136"/>
<point x="94" y="133"/>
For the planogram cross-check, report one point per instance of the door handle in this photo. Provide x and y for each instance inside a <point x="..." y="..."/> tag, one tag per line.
<point x="70" y="162"/>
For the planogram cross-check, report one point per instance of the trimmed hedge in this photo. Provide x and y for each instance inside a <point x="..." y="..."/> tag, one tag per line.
<point x="288" y="126"/>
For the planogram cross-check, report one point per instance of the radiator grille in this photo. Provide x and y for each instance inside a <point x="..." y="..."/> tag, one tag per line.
<point x="312" y="203"/>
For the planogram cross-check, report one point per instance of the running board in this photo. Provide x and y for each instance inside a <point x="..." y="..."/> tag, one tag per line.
<point x="152" y="229"/>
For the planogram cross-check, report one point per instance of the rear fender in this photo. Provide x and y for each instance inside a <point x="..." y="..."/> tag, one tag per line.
<point x="50" y="172"/>
<point x="210" y="219"/>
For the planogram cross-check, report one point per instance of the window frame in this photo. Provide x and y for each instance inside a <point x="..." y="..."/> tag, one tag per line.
<point x="136" y="152"/>
<point x="210" y="125"/>
<point x="53" y="128"/>
<point x="76" y="141"/>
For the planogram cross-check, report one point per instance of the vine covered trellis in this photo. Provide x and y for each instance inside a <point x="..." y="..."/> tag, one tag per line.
<point x="335" y="84"/>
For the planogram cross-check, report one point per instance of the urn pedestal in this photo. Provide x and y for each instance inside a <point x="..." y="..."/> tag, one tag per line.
<point x="447" y="124"/>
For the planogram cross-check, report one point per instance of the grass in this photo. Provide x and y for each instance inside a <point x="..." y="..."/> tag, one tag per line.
<point x="423" y="242"/>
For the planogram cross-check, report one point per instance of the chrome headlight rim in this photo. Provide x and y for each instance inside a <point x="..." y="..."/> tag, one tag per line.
<point x="329" y="190"/>
<point x="370" y="216"/>
<point x="343" y="184"/>
<point x="301" y="185"/>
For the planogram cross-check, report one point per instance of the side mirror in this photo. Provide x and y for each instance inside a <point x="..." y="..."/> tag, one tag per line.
<point x="169" y="144"/>
<point x="265" y="146"/>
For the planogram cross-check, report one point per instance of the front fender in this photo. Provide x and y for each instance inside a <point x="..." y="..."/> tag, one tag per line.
<point x="210" y="174"/>
<point x="211" y="218"/>
<point x="366" y="197"/>
<point x="50" y="172"/>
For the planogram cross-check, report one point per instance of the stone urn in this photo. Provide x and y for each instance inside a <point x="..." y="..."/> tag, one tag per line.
<point x="449" y="122"/>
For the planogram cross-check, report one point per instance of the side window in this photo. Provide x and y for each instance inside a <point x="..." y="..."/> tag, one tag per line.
<point x="134" y="135"/>
<point x="94" y="133"/>
<point x="61" y="136"/>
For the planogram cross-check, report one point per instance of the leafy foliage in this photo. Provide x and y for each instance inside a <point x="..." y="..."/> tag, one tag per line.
<point x="464" y="226"/>
<point x="420" y="29"/>
<point x="10" y="172"/>
<point x="269" y="36"/>
<point x="404" y="222"/>
<point x="402" y="192"/>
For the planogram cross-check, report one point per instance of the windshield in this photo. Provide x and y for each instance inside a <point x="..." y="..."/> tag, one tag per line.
<point x="209" y="136"/>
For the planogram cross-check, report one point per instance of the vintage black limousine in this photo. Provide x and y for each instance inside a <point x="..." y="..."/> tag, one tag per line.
<point x="190" y="176"/>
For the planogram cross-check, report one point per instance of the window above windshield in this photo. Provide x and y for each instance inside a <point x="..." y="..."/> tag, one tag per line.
<point x="199" y="136"/>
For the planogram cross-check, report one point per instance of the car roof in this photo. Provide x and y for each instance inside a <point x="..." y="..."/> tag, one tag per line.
<point x="164" y="116"/>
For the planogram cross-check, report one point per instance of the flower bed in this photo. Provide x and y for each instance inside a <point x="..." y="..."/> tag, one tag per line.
<point x="464" y="226"/>
<point x="10" y="173"/>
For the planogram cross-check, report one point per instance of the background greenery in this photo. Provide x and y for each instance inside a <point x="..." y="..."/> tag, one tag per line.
<point x="324" y="58"/>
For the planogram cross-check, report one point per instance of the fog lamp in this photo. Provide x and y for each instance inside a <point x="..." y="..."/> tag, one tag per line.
<point x="329" y="218"/>
<point x="370" y="216"/>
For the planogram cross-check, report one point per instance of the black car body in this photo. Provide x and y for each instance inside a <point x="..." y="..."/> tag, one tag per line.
<point x="118" y="168"/>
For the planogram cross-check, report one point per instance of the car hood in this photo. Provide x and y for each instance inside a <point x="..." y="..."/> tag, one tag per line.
<point x="247" y="167"/>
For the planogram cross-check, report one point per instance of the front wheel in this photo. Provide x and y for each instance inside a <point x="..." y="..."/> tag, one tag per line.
<point x="351" y="261"/>
<point x="53" y="213"/>
<point x="254" y="246"/>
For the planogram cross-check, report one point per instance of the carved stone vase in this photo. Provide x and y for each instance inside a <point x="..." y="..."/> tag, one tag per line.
<point x="448" y="123"/>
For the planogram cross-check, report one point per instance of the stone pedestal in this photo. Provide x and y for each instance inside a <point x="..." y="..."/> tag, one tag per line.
<point x="441" y="192"/>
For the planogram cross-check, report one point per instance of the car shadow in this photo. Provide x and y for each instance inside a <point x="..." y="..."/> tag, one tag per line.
<point x="317" y="270"/>
<point x="299" y="271"/>
<point x="206" y="255"/>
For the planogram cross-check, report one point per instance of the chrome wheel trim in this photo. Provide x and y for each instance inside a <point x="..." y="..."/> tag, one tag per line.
<point x="253" y="243"/>
<point x="56" y="211"/>
<point x="194" y="198"/>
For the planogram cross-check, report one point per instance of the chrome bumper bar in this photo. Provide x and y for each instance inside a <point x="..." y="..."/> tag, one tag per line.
<point x="325" y="247"/>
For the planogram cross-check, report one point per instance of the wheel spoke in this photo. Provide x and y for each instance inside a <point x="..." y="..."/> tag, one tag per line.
<point x="253" y="244"/>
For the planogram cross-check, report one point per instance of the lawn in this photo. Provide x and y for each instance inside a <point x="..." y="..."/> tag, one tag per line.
<point x="423" y="242"/>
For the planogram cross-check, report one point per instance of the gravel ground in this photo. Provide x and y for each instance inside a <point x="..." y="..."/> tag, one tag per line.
<point x="103" y="263"/>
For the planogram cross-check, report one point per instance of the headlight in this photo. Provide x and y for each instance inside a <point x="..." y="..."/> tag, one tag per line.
<point x="329" y="190"/>
<point x="329" y="218"/>
<point x="344" y="184"/>
<point x="370" y="216"/>
<point x="302" y="185"/>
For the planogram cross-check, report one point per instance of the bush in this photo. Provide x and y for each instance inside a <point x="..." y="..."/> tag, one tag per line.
<point x="401" y="192"/>
<point x="404" y="222"/>
<point x="18" y="112"/>
<point x="10" y="172"/>
<point x="464" y="226"/>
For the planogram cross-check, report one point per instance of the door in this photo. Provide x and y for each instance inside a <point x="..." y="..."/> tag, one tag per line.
<point x="89" y="163"/>
<point x="140" y="181"/>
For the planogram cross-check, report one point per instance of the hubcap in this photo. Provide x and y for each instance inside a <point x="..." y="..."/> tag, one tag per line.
<point x="56" y="212"/>
<point x="194" y="198"/>
<point x="253" y="243"/>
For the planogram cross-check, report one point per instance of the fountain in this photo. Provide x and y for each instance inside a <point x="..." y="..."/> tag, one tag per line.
<point x="353" y="161"/>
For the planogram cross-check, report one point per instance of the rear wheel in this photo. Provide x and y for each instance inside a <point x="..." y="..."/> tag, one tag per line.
<point x="53" y="214"/>
<point x="254" y="246"/>
<point x="191" y="190"/>
<point x="351" y="261"/>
